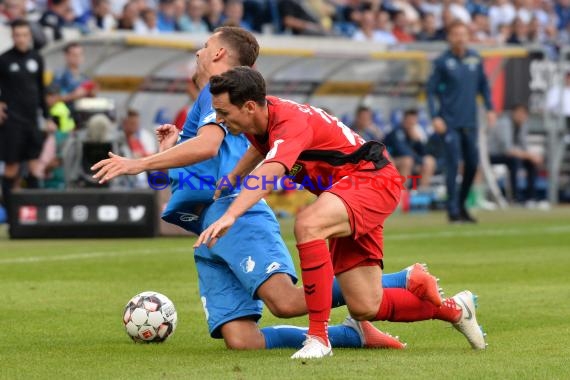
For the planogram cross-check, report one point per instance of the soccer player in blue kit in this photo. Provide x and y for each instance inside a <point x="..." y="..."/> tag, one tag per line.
<point x="253" y="267"/>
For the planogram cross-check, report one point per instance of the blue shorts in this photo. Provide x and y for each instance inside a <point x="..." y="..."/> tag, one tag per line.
<point x="234" y="268"/>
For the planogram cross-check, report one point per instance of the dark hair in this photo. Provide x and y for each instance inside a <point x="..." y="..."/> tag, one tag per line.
<point x="241" y="42"/>
<point x="362" y="108"/>
<point x="70" y="46"/>
<point x="456" y="24"/>
<point x="520" y="106"/>
<point x="411" y="112"/>
<point x="18" y="23"/>
<point x="242" y="85"/>
<point x="132" y="112"/>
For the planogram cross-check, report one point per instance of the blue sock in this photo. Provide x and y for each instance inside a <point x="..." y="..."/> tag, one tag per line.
<point x="395" y="280"/>
<point x="293" y="337"/>
<point x="389" y="280"/>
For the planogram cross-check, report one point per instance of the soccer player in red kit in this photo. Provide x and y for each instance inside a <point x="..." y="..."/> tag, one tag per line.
<point x="357" y="188"/>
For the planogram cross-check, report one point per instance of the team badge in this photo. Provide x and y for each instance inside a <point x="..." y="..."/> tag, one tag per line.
<point x="32" y="65"/>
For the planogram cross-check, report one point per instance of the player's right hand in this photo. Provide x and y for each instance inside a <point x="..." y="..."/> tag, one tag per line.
<point x="115" y="166"/>
<point x="167" y="136"/>
<point x="439" y="126"/>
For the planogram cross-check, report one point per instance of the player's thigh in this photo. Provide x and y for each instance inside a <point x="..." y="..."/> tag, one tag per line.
<point x="282" y="297"/>
<point x="243" y="334"/>
<point x="254" y="249"/>
<point x="223" y="297"/>
<point x="362" y="290"/>
<point x="327" y="217"/>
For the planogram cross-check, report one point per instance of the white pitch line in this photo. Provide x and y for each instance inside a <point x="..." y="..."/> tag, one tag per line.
<point x="87" y="255"/>
<point x="407" y="236"/>
<point x="453" y="232"/>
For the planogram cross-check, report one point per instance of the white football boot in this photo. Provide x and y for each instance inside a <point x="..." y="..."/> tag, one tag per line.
<point x="313" y="348"/>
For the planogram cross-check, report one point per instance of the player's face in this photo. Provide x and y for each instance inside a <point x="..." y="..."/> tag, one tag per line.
<point x="22" y="37"/>
<point x="236" y="119"/>
<point x="206" y="55"/>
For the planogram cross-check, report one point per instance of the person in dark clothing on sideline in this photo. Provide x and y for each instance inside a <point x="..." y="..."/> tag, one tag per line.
<point x="456" y="80"/>
<point x="21" y="96"/>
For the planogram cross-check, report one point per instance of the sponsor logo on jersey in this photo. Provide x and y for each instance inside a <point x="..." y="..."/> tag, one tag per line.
<point x="272" y="267"/>
<point x="295" y="169"/>
<point x="187" y="217"/>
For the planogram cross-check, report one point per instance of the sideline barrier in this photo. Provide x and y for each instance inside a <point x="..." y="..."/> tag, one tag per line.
<point x="83" y="214"/>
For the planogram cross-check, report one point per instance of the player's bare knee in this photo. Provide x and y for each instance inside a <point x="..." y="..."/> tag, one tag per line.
<point x="363" y="310"/>
<point x="306" y="229"/>
<point x="237" y="342"/>
<point x="362" y="313"/>
<point x="282" y="308"/>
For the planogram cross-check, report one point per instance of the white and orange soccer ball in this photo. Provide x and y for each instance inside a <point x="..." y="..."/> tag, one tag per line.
<point x="150" y="317"/>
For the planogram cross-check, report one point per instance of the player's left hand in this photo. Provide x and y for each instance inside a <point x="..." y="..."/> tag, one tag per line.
<point x="216" y="230"/>
<point x="115" y="166"/>
<point x="491" y="119"/>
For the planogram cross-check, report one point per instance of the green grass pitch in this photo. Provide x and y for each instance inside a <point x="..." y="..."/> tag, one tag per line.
<point x="62" y="304"/>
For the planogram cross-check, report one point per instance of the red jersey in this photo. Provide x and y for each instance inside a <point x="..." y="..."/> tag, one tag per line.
<point x="316" y="149"/>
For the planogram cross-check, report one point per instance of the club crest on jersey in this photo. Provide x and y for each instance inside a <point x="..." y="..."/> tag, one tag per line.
<point x="472" y="62"/>
<point x="295" y="169"/>
<point x="32" y="65"/>
<point x="247" y="265"/>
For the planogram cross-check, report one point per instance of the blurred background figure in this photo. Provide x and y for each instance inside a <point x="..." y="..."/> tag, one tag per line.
<point x="16" y="9"/>
<point x="50" y="168"/>
<point x="374" y="29"/>
<point x="149" y="24"/>
<point x="141" y="141"/>
<point x="424" y="163"/>
<point x="58" y="15"/>
<point x="193" y="20"/>
<point x="558" y="100"/>
<point x="364" y="124"/>
<point x="73" y="84"/>
<point x="508" y="145"/>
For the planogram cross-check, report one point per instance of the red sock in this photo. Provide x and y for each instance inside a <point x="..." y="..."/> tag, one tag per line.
<point x="317" y="273"/>
<point x="400" y="305"/>
<point x="448" y="311"/>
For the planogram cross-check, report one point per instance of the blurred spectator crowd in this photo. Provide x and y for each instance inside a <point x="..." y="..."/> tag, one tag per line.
<point x="545" y="22"/>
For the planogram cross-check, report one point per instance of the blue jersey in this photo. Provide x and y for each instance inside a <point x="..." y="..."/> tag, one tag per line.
<point x="193" y="186"/>
<point x="455" y="83"/>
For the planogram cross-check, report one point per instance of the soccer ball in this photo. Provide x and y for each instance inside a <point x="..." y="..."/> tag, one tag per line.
<point x="150" y="317"/>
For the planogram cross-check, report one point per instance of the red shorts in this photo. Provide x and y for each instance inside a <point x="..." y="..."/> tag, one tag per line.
<point x="369" y="198"/>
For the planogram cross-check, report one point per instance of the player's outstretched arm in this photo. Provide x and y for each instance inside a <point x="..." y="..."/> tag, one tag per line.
<point x="246" y="164"/>
<point x="200" y="148"/>
<point x="255" y="186"/>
